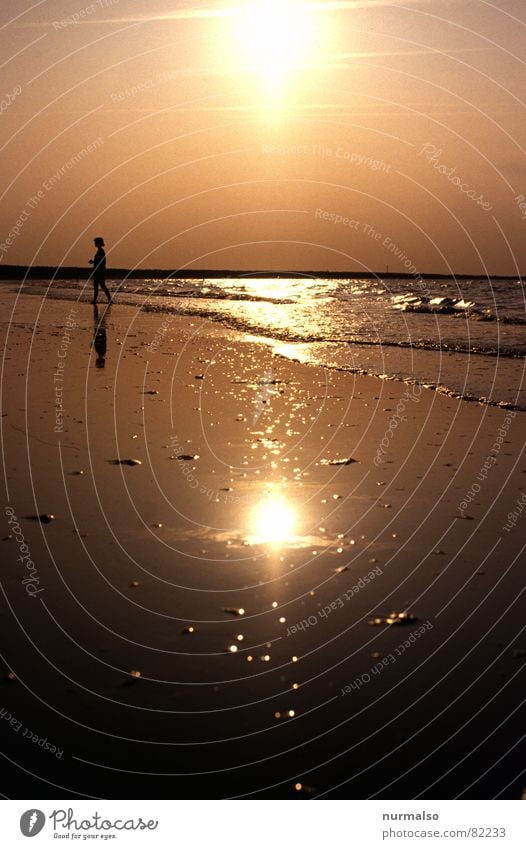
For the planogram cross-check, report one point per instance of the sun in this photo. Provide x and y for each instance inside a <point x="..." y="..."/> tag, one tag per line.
<point x="274" y="36"/>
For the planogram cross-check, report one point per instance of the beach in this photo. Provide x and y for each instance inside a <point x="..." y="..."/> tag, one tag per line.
<point x="228" y="573"/>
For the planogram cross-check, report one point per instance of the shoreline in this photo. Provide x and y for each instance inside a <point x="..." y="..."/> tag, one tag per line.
<point x="270" y="487"/>
<point x="440" y="368"/>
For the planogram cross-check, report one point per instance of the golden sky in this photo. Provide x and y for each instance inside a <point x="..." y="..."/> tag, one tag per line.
<point x="278" y="135"/>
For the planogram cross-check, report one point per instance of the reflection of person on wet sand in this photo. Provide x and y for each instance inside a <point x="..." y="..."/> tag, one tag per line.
<point x="98" y="274"/>
<point x="99" y="336"/>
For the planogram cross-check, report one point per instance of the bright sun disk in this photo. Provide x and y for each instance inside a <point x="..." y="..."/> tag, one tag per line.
<point x="274" y="36"/>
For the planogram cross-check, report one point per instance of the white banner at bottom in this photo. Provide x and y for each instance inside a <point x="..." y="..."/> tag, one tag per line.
<point x="263" y="824"/>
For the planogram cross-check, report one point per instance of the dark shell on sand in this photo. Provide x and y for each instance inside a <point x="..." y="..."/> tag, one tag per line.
<point x="130" y="462"/>
<point x="395" y="618"/>
<point x="44" y="518"/>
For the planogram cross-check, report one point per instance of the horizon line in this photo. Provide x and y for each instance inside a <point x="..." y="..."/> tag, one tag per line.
<point x="24" y="271"/>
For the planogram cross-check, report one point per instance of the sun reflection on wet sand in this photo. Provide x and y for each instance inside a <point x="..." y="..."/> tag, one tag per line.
<point x="273" y="521"/>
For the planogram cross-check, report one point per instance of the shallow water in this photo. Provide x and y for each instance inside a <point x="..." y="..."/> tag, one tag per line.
<point x="466" y="337"/>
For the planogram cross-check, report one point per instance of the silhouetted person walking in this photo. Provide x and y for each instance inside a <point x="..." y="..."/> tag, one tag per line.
<point x="99" y="270"/>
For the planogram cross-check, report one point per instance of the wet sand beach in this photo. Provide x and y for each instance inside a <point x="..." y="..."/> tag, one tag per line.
<point x="227" y="573"/>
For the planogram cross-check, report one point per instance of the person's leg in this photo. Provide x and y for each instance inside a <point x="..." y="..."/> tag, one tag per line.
<point x="95" y="291"/>
<point x="105" y="290"/>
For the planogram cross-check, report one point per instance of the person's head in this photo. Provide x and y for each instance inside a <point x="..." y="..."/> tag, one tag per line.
<point x="99" y="242"/>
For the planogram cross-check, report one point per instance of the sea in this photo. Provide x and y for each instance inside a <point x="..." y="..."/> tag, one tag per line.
<point x="461" y="337"/>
